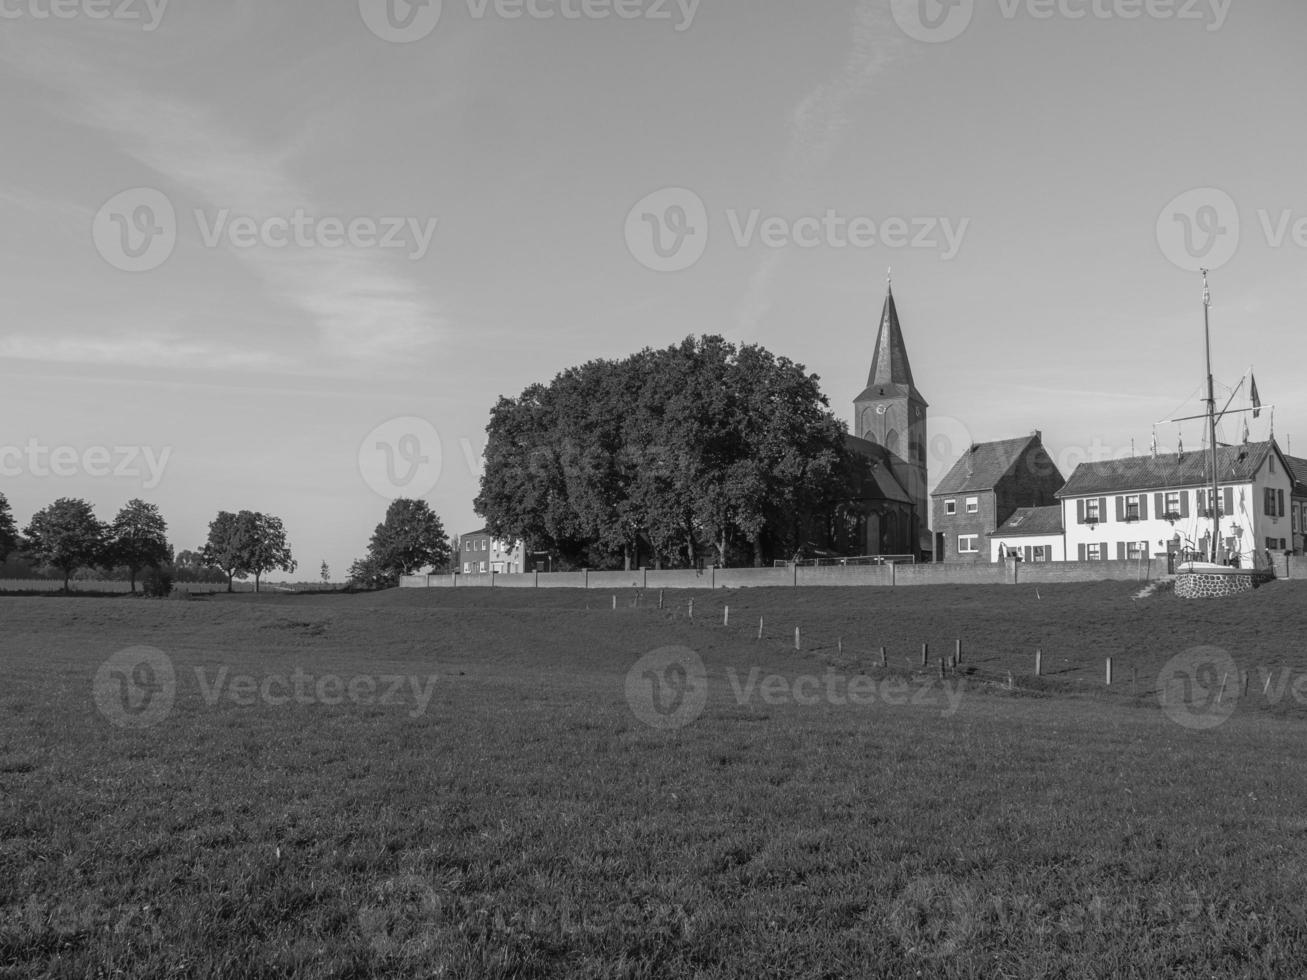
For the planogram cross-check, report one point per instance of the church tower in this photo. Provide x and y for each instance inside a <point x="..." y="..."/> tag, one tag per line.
<point x="892" y="413"/>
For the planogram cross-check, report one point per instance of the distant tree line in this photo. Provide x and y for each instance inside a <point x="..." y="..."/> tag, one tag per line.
<point x="702" y="451"/>
<point x="66" y="538"/>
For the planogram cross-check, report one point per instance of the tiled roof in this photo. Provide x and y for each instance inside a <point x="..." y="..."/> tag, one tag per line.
<point x="1298" y="466"/>
<point x="1235" y="464"/>
<point x="983" y="466"/>
<point x="1030" y="521"/>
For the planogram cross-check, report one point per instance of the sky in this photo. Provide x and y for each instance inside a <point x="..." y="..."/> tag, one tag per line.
<point x="286" y="257"/>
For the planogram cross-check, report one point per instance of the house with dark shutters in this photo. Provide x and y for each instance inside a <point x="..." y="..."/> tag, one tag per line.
<point x="983" y="491"/>
<point x="1298" y="503"/>
<point x="1152" y="506"/>
<point x="1030" y="534"/>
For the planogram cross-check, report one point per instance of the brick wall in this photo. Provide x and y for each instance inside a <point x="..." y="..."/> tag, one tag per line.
<point x="979" y="524"/>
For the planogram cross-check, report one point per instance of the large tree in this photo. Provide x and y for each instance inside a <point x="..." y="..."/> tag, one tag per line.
<point x="66" y="535"/>
<point x="411" y="538"/>
<point x="9" y="540"/>
<point x="228" y="545"/>
<point x="268" y="549"/>
<point x="660" y="454"/>
<point x="138" y="538"/>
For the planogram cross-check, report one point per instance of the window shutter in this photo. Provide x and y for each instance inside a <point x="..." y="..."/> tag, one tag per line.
<point x="1280" y="495"/>
<point x="1083" y="552"/>
<point x="1103" y="552"/>
<point x="1080" y="512"/>
<point x="1228" y="503"/>
<point x="1184" y="503"/>
<point x="1102" y="508"/>
<point x="1159" y="503"/>
<point x="1120" y="551"/>
<point x="1120" y="508"/>
<point x="1143" y="507"/>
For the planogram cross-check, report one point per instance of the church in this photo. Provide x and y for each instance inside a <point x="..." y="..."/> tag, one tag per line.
<point x="889" y="516"/>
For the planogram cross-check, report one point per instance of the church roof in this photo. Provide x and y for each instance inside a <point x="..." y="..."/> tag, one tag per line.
<point x="984" y="465"/>
<point x="1234" y="464"/>
<point x="1030" y="522"/>
<point x="889" y="364"/>
<point x="881" y="483"/>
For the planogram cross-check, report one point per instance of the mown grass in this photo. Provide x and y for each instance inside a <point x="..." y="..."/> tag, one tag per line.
<point x="528" y="824"/>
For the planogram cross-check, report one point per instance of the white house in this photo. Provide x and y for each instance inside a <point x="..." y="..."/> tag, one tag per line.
<point x="480" y="553"/>
<point x="1032" y="534"/>
<point x="1158" y="505"/>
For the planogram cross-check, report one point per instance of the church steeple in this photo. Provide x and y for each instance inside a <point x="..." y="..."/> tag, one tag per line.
<point x="889" y="364"/>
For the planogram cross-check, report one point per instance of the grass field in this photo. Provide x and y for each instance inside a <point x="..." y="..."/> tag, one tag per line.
<point x="460" y="783"/>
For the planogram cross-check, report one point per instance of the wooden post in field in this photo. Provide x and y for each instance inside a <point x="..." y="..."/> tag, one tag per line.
<point x="660" y="598"/>
<point x="941" y="668"/>
<point x="1109" y="671"/>
<point x="798" y="643"/>
<point x="726" y="615"/>
<point x="957" y="655"/>
<point x="692" y="609"/>
<point x="760" y="627"/>
<point x="1245" y="683"/>
<point x="841" y="645"/>
<point x="884" y="661"/>
<point x="1039" y="663"/>
<point x="925" y="655"/>
<point x="614" y="603"/>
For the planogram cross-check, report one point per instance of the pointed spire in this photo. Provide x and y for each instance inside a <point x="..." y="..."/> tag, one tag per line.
<point x="889" y="365"/>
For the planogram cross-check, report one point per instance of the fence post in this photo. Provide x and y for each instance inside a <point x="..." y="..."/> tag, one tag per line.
<point x="586" y="579"/>
<point x="884" y="662"/>
<point x="692" y="609"/>
<point x="798" y="645"/>
<point x="957" y="654"/>
<point x="726" y="615"/>
<point x="1109" y="671"/>
<point x="925" y="655"/>
<point x="614" y="603"/>
<point x="760" y="627"/>
<point x="1039" y="663"/>
<point x="660" y="598"/>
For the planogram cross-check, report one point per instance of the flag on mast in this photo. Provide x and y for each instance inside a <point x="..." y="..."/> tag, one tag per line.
<point x="1257" y="399"/>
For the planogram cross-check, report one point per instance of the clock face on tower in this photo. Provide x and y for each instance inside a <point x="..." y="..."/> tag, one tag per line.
<point x="881" y="409"/>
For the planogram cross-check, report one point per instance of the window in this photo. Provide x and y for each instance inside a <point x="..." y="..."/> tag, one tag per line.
<point x="483" y="568"/>
<point x="1132" y="508"/>
<point x="1039" y="553"/>
<point x="968" y="544"/>
<point x="973" y="505"/>
<point x="1094" y="552"/>
<point x="1091" y="511"/>
<point x="1268" y="502"/>
<point x="1173" y="505"/>
<point x="950" y="508"/>
<point x="1134" y="550"/>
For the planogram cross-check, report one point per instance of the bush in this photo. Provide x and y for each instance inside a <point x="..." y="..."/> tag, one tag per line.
<point x="156" y="583"/>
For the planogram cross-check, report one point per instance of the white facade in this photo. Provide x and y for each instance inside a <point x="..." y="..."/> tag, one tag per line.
<point x="1150" y="521"/>
<point x="1031" y="548"/>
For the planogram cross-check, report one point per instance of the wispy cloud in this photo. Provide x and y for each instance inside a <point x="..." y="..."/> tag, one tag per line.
<point x="817" y="130"/>
<point x="363" y="308"/>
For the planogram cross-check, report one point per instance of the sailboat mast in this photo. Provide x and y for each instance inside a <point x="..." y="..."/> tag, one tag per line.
<point x="1211" y="417"/>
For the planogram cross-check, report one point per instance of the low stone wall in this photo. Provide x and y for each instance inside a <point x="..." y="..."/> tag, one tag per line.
<point x="952" y="573"/>
<point x="1090" y="571"/>
<point x="1217" y="585"/>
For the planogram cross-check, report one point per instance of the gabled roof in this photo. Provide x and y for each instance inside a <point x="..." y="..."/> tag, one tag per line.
<point x="984" y="465"/>
<point x="1298" y="467"/>
<point x="1234" y="464"/>
<point x="1031" y="521"/>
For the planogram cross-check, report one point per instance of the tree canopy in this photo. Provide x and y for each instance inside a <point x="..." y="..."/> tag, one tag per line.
<point x="137" y="539"/>
<point x="8" y="529"/>
<point x="66" y="535"/>
<point x="666" y="455"/>
<point x="411" y="538"/>
<point x="247" y="543"/>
